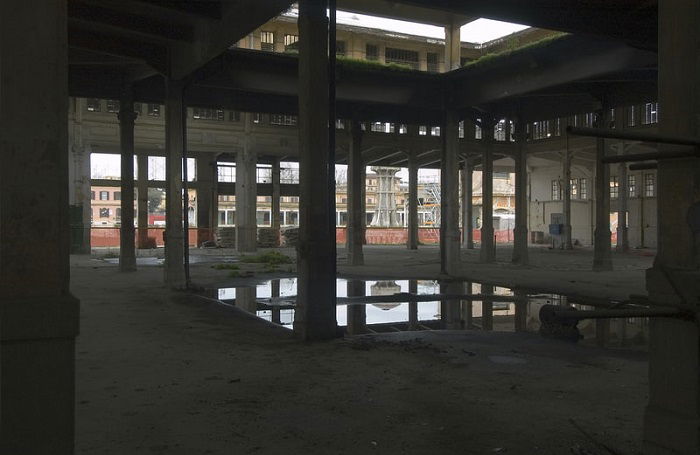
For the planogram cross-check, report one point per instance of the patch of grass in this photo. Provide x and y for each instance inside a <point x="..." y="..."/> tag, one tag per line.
<point x="498" y="56"/>
<point x="270" y="258"/>
<point x="234" y="274"/>
<point x="111" y="255"/>
<point x="369" y="65"/>
<point x="225" y="267"/>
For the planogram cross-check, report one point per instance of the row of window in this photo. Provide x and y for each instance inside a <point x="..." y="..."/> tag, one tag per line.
<point x="104" y="195"/>
<point x="107" y="212"/>
<point x="579" y="187"/>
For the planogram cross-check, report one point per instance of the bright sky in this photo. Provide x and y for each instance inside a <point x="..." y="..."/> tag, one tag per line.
<point x="478" y="31"/>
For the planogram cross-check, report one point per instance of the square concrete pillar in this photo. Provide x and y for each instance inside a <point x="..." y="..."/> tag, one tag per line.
<point x="355" y="206"/>
<point x="413" y="241"/>
<point x="357" y="314"/>
<point x="127" y="241"/>
<point x="672" y="417"/>
<point x="38" y="315"/>
<point x="467" y="204"/>
<point x="566" y="186"/>
<point x="487" y="252"/>
<point x="602" y="259"/>
<point x="246" y="199"/>
<point x="449" y="185"/>
<point x="314" y="318"/>
<point x="206" y="198"/>
<point x="520" y="252"/>
<point x="79" y="190"/>
<point x="174" y="266"/>
<point x="142" y="205"/>
<point x="276" y="219"/>
<point x="453" y="46"/>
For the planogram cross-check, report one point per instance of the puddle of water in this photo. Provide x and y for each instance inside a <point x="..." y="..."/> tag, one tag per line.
<point x="395" y="316"/>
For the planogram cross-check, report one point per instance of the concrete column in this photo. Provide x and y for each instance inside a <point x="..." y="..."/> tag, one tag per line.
<point x="413" y="306"/>
<point x="142" y="207"/>
<point x="314" y="318"/>
<point x="623" y="243"/>
<point x="276" y="316"/>
<point x="520" y="252"/>
<point x="487" y="308"/>
<point x="452" y="46"/>
<point x="413" y="241"/>
<point x="174" y="266"/>
<point x="127" y="243"/>
<point x="520" y="318"/>
<point x="566" y="190"/>
<point x="357" y="314"/>
<point x="672" y="415"/>
<point x="467" y="307"/>
<point x="467" y="205"/>
<point x="246" y="197"/>
<point x="451" y="313"/>
<point x="79" y="190"/>
<point x="364" y="204"/>
<point x="449" y="184"/>
<point x="355" y="207"/>
<point x="602" y="260"/>
<point x="487" y="253"/>
<point x="276" y="219"/>
<point x="38" y="315"/>
<point x="602" y="332"/>
<point x="206" y="205"/>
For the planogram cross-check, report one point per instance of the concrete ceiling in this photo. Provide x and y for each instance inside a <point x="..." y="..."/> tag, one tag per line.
<point x="137" y="38"/>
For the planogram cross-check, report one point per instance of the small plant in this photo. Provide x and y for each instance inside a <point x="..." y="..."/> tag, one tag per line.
<point x="234" y="274"/>
<point x="111" y="255"/>
<point x="271" y="258"/>
<point x="225" y="267"/>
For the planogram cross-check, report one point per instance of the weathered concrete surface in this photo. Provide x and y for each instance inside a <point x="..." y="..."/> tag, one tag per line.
<point x="161" y="373"/>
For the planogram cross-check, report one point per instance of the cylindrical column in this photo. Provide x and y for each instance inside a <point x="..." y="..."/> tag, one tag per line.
<point x="314" y="318"/>
<point x="412" y="243"/>
<point x="142" y="206"/>
<point x="174" y="266"/>
<point x="602" y="259"/>
<point x="452" y="314"/>
<point x="520" y="253"/>
<point x="355" y="207"/>
<point x="487" y="253"/>
<point x="127" y="244"/>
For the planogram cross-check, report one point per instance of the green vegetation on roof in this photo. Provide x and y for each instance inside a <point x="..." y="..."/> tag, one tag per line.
<point x="369" y="65"/>
<point x="498" y="56"/>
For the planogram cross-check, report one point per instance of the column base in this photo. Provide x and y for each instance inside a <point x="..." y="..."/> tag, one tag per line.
<point x="602" y="261"/>
<point x="622" y="240"/>
<point x="487" y="253"/>
<point x="246" y="239"/>
<point x="38" y="374"/>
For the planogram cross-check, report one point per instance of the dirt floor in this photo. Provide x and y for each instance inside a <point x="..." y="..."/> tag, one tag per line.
<point x="160" y="371"/>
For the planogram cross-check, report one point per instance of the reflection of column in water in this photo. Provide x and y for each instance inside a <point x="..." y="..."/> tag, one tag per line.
<point x="245" y="299"/>
<point x="621" y="330"/>
<point x="357" y="314"/>
<point x="413" y="306"/>
<point x="487" y="308"/>
<point x="451" y="316"/>
<point x="467" y="306"/>
<point x="521" y="309"/>
<point x="275" y="292"/>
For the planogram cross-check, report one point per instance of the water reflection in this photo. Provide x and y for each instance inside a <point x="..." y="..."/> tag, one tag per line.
<point x="494" y="311"/>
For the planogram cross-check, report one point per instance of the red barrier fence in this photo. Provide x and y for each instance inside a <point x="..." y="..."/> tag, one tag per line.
<point x="109" y="236"/>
